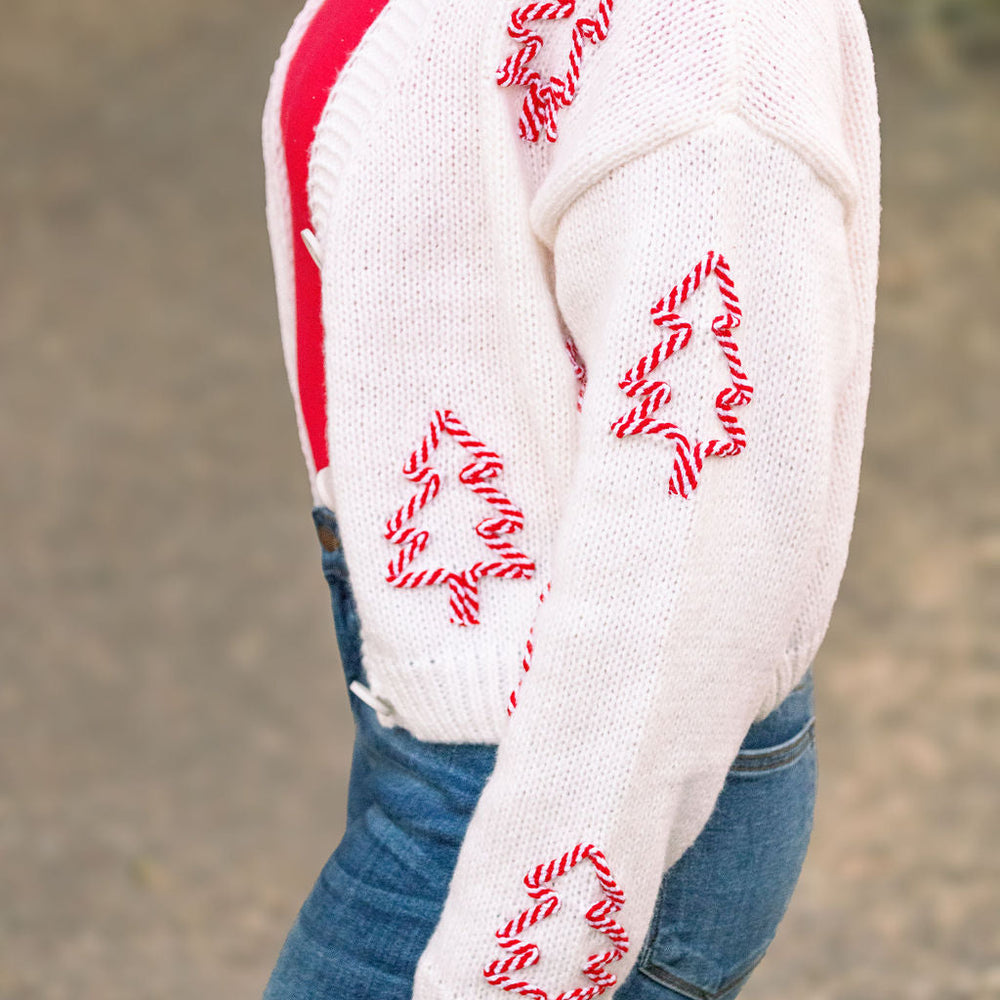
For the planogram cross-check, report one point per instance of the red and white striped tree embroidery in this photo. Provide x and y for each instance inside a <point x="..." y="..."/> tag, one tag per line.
<point x="579" y="369"/>
<point x="580" y="372"/>
<point x="507" y="559"/>
<point x="689" y="455"/>
<point x="544" y="98"/>
<point x="504" y="972"/>
<point x="526" y="659"/>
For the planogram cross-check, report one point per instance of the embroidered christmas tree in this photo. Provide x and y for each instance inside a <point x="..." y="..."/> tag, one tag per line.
<point x="507" y="972"/>
<point x="505" y="560"/>
<point x="579" y="369"/>
<point x="544" y="98"/>
<point x="644" y="418"/>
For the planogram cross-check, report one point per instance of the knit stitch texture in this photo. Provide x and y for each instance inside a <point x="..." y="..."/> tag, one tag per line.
<point x="597" y="330"/>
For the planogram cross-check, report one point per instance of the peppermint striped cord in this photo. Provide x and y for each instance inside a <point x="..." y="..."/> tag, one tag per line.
<point x="508" y="560"/>
<point x="503" y="972"/>
<point x="544" y="98"/>
<point x="526" y="659"/>
<point x="689" y="456"/>
<point x="579" y="369"/>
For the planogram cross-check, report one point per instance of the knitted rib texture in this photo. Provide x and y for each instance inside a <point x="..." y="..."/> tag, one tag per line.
<point x="598" y="290"/>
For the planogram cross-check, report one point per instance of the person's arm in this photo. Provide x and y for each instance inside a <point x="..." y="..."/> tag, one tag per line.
<point x="675" y="590"/>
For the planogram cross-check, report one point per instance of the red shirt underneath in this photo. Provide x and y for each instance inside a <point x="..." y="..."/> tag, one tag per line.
<point x="334" y="32"/>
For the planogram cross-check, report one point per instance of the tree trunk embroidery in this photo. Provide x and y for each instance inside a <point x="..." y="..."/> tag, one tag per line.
<point x="689" y="455"/>
<point x="507" y="561"/>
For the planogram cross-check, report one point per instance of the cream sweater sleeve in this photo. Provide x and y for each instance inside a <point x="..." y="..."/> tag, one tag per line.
<point x="707" y="286"/>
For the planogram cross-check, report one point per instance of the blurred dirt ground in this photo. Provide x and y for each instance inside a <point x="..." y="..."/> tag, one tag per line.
<point x="174" y="735"/>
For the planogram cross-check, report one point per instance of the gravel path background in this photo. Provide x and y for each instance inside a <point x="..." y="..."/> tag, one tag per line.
<point x="174" y="734"/>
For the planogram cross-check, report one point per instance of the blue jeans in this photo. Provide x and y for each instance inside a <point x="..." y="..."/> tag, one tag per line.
<point x="377" y="900"/>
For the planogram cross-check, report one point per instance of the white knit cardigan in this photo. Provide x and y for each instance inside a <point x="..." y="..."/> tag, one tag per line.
<point x="598" y="291"/>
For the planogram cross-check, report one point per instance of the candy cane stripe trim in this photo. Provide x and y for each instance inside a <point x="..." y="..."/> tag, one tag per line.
<point x="543" y="100"/>
<point x="508" y="561"/>
<point x="526" y="659"/>
<point x="688" y="455"/>
<point x="600" y="917"/>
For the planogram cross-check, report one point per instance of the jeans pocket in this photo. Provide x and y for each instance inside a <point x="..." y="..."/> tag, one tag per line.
<point x="779" y="739"/>
<point x="757" y="760"/>
<point x="720" y="904"/>
<point x="683" y="978"/>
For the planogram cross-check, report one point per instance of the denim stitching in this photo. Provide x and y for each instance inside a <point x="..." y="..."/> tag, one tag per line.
<point x="755" y="761"/>
<point x="665" y="978"/>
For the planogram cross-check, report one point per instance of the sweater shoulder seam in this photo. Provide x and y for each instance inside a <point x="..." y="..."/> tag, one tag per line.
<point x="840" y="180"/>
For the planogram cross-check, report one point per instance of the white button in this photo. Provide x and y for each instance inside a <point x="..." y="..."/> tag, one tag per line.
<point x="312" y="245"/>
